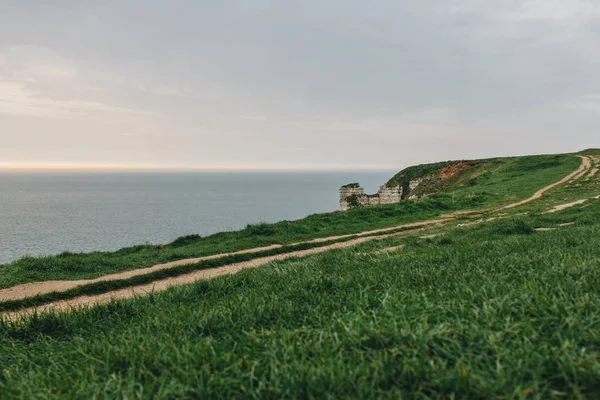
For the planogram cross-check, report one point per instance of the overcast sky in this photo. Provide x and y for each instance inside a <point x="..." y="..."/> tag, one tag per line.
<point x="295" y="84"/>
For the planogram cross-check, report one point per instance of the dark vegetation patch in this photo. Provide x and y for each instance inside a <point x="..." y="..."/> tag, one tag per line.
<point x="523" y="165"/>
<point x="512" y="226"/>
<point x="261" y="229"/>
<point x="353" y="201"/>
<point x="446" y="241"/>
<point x="185" y="241"/>
<point x="590" y="152"/>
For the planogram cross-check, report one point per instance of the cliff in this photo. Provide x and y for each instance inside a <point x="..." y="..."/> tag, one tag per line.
<point x="447" y="176"/>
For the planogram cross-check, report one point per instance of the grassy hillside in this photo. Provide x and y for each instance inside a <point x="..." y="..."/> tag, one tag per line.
<point x="492" y="308"/>
<point x="88" y="265"/>
<point x="501" y="181"/>
<point x="495" y="310"/>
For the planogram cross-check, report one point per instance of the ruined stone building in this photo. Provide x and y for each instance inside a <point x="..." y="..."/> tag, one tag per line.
<point x="353" y="195"/>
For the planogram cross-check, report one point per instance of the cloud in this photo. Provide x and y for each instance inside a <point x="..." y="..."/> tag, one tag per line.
<point x="29" y="61"/>
<point x="38" y="82"/>
<point x="585" y="103"/>
<point x="300" y="81"/>
<point x="16" y="99"/>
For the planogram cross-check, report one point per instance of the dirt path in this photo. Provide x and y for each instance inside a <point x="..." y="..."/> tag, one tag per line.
<point x="164" y="284"/>
<point x="389" y="249"/>
<point x="586" y="164"/>
<point x="561" y="207"/>
<point x="566" y="224"/>
<point x="32" y="289"/>
<point x="37" y="288"/>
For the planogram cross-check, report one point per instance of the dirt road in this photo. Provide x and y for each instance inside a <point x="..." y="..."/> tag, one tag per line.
<point x="164" y="284"/>
<point x="36" y="288"/>
<point x="586" y="164"/>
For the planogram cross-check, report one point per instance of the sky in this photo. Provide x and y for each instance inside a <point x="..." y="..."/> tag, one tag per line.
<point x="294" y="84"/>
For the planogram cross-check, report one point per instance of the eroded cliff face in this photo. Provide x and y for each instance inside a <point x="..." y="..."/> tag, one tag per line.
<point x="354" y="195"/>
<point x="411" y="183"/>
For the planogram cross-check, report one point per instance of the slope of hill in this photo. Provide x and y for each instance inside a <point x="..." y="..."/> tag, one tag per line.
<point x="512" y="180"/>
<point x="483" y="302"/>
<point x="508" y="176"/>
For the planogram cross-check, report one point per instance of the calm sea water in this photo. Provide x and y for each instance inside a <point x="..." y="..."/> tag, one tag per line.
<point x="51" y="213"/>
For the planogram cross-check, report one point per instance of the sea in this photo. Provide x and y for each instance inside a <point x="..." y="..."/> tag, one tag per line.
<point x="48" y="213"/>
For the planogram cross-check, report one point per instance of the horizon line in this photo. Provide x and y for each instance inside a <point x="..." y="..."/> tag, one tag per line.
<point x="22" y="167"/>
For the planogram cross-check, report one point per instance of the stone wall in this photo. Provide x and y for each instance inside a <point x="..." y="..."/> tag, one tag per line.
<point x="354" y="196"/>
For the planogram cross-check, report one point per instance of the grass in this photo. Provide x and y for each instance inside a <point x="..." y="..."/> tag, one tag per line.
<point x="490" y="311"/>
<point x="116" y="284"/>
<point x="511" y="181"/>
<point x="501" y="179"/>
<point x="91" y="265"/>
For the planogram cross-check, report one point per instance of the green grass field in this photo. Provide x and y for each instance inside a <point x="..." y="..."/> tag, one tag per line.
<point x="502" y="178"/>
<point x="491" y="310"/>
<point x="511" y="179"/>
<point x="90" y="265"/>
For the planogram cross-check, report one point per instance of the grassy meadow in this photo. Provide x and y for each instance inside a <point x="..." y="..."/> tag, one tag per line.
<point x="491" y="308"/>
<point x="495" y="310"/>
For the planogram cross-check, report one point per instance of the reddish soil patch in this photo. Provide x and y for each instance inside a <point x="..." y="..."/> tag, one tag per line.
<point x="453" y="169"/>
